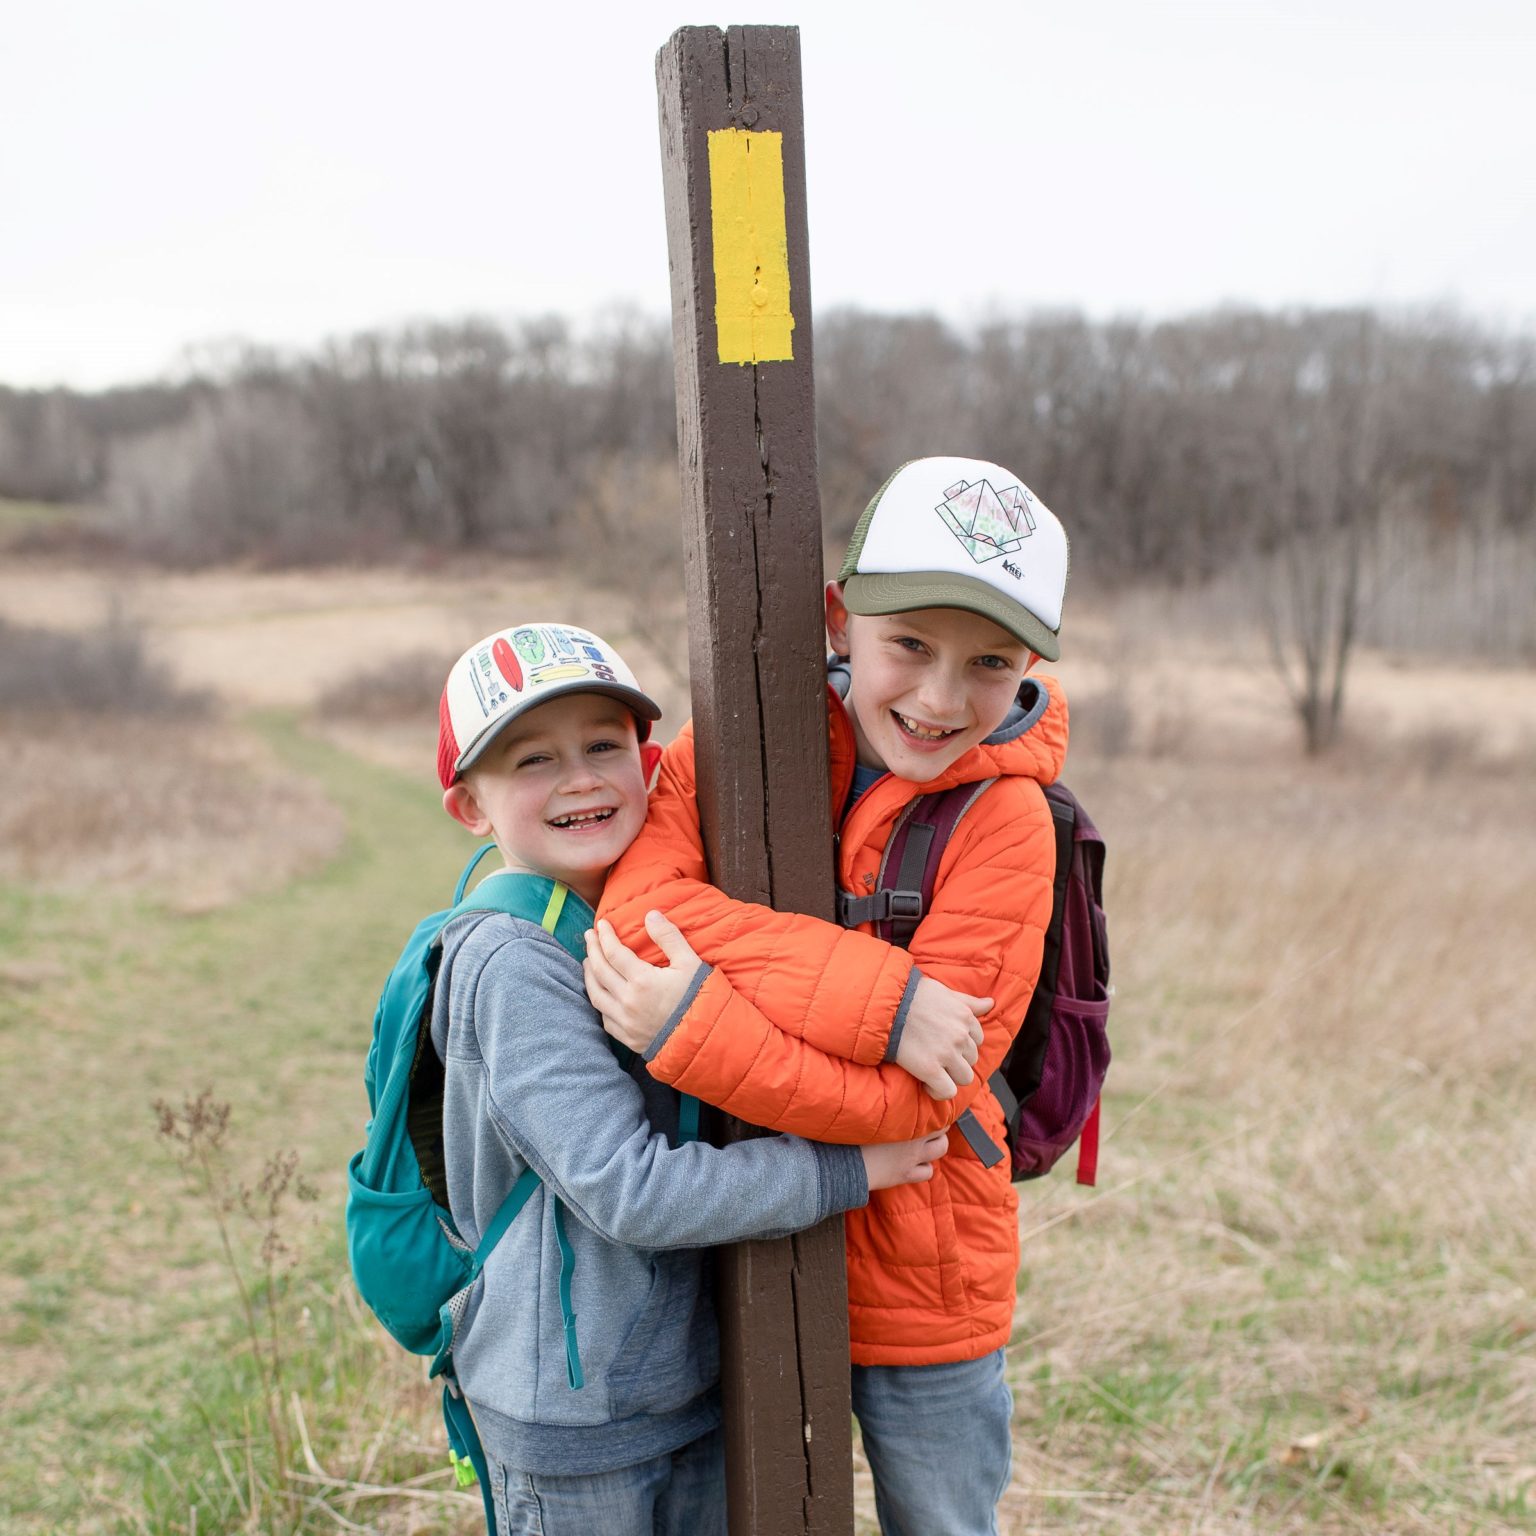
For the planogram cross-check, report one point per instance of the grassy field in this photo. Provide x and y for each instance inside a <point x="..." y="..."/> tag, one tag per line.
<point x="1300" y="1300"/>
<point x="127" y="1367"/>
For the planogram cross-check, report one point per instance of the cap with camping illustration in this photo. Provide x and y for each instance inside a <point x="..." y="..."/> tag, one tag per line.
<point x="510" y="672"/>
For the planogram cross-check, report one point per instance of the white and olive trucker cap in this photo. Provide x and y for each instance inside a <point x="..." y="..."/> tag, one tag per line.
<point x="514" y="670"/>
<point x="961" y="533"/>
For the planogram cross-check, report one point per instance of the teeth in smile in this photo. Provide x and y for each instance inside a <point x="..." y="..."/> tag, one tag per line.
<point x="580" y="818"/>
<point x="922" y="732"/>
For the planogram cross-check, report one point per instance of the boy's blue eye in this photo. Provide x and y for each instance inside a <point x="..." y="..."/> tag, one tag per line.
<point x="996" y="663"/>
<point x="909" y="642"/>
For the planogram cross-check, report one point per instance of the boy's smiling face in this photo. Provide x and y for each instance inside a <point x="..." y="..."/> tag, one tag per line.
<point x="562" y="790"/>
<point x="928" y="685"/>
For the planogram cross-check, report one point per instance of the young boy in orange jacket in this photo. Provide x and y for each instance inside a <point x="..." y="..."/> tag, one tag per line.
<point x="951" y="591"/>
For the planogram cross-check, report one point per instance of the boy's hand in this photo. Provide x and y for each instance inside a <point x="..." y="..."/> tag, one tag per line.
<point x="635" y="997"/>
<point x="941" y="1037"/>
<point x="904" y="1162"/>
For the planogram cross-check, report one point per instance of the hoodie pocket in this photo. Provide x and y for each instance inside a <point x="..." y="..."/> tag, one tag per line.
<point x="670" y="1354"/>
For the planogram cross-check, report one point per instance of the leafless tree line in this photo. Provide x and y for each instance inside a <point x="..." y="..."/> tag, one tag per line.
<point x="464" y="436"/>
<point x="1321" y="449"/>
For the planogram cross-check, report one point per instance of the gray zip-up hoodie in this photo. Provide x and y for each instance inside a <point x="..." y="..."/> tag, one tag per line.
<point x="531" y="1080"/>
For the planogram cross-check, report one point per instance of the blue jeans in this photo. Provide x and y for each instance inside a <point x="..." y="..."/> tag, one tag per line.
<point x="939" y="1442"/>
<point x="679" y="1494"/>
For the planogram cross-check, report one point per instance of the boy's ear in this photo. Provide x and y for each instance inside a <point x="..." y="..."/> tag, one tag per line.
<point x="1034" y="658"/>
<point x="837" y="618"/>
<point x="460" y="803"/>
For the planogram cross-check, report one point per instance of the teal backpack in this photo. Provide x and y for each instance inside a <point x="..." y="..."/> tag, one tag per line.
<point x="410" y="1264"/>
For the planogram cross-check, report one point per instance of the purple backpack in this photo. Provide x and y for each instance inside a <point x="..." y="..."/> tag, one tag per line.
<point x="1050" y="1080"/>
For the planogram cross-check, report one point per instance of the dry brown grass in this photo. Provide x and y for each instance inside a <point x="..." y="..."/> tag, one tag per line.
<point x="116" y="775"/>
<point x="1300" y="1300"/>
<point x="355" y="648"/>
<point x="196" y="810"/>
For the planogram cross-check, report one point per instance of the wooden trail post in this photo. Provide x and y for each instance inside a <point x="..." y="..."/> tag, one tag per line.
<point x="733" y="157"/>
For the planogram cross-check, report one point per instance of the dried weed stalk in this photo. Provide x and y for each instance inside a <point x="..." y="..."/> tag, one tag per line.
<point x="249" y="1219"/>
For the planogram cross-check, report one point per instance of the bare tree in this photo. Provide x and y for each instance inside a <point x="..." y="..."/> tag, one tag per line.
<point x="47" y="451"/>
<point x="1322" y="435"/>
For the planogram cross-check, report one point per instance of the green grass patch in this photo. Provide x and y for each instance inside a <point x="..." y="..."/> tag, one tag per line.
<point x="18" y="515"/>
<point x="136" y="1397"/>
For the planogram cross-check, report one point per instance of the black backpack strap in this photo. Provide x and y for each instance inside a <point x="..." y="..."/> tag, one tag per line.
<point x="980" y="1143"/>
<point x="1007" y="1099"/>
<point x="915" y="849"/>
<point x="896" y="909"/>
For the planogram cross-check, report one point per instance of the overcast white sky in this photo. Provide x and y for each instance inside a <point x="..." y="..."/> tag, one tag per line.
<point x="180" y="171"/>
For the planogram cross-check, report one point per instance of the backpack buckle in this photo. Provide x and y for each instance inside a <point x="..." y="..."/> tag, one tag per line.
<point x="882" y="907"/>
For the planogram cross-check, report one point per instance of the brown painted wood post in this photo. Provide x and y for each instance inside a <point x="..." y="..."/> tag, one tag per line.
<point x="733" y="156"/>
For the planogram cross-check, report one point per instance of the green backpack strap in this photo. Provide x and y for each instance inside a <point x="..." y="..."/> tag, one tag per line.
<point x="517" y="1198"/>
<point x="557" y="909"/>
<point x="688" y="1119"/>
<point x="465" y="1452"/>
<point x="469" y="869"/>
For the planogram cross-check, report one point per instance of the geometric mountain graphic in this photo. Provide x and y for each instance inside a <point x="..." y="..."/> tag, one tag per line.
<point x="988" y="523"/>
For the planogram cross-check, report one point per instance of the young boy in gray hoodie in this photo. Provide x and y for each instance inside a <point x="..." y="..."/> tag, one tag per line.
<point x="588" y="1351"/>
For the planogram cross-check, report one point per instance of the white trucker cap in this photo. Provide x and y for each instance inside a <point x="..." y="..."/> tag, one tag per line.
<point x="961" y="533"/>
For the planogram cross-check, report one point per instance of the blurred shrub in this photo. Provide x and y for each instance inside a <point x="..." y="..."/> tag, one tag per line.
<point x="105" y="671"/>
<point x="406" y="688"/>
<point x="1104" y="723"/>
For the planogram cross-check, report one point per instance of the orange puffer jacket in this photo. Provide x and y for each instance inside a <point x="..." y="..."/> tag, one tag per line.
<point x="790" y="1029"/>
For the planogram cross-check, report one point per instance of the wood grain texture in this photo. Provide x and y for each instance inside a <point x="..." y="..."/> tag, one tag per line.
<point x="752" y="523"/>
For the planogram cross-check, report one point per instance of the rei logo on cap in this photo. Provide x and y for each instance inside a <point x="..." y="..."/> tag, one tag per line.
<point x="988" y="523"/>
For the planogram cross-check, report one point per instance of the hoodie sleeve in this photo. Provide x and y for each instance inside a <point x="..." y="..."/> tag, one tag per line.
<point x="559" y="1099"/>
<point x="758" y="1049"/>
<point x="838" y="990"/>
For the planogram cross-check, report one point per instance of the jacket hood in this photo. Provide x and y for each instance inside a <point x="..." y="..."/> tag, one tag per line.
<point x="1030" y="743"/>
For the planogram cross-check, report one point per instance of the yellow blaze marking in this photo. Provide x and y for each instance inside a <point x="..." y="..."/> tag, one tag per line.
<point x="746" y="200"/>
